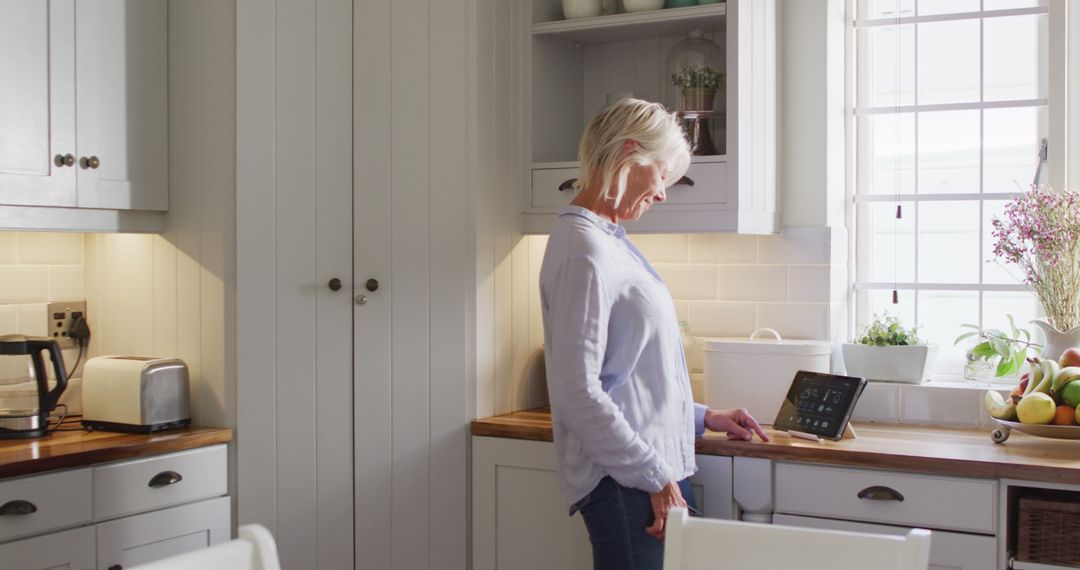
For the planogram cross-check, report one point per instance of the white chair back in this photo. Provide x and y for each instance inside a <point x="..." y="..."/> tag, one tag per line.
<point x="711" y="544"/>
<point x="253" y="550"/>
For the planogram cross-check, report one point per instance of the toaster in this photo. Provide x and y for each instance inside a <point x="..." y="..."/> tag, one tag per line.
<point x="138" y="394"/>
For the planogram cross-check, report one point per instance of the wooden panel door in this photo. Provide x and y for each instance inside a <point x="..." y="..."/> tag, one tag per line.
<point x="69" y="550"/>
<point x="122" y="104"/>
<point x="37" y="102"/>
<point x="145" y="538"/>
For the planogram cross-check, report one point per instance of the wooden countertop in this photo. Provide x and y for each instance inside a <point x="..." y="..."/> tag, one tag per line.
<point x="66" y="449"/>
<point x="922" y="449"/>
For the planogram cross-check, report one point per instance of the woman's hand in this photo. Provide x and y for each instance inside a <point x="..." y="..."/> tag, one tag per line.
<point x="668" y="498"/>
<point x="738" y="423"/>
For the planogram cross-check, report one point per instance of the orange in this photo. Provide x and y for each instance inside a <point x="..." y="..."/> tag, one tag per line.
<point x="1064" y="416"/>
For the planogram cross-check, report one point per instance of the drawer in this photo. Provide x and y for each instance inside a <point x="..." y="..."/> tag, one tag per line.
<point x="57" y="500"/>
<point x="161" y="481"/>
<point x="928" y="501"/>
<point x="706" y="184"/>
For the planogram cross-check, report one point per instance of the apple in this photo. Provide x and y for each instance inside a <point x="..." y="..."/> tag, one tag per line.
<point x="1036" y="408"/>
<point x="1070" y="394"/>
<point x="1071" y="357"/>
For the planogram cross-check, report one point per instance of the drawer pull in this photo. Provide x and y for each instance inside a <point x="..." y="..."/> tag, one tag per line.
<point x="880" y="493"/>
<point x="116" y="567"/>
<point x="568" y="185"/>
<point x="165" y="478"/>
<point x="17" y="507"/>
<point x="685" y="181"/>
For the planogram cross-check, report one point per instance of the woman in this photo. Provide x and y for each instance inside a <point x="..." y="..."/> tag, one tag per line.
<point x="623" y="417"/>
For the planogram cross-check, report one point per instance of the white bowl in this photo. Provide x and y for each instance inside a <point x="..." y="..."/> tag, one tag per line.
<point x="574" y="9"/>
<point x="642" y="5"/>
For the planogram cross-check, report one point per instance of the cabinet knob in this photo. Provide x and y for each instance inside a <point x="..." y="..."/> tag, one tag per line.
<point x="17" y="507"/>
<point x="372" y="285"/>
<point x="62" y="160"/>
<point x="334" y="284"/>
<point x="361" y="299"/>
<point x="89" y="162"/>
<point x="880" y="493"/>
<point x="165" y="478"/>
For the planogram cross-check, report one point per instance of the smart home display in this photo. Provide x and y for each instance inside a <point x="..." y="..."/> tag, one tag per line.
<point x="819" y="404"/>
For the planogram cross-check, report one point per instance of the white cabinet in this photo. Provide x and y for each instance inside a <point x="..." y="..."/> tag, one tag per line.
<point x="520" y="521"/>
<point x="572" y="68"/>
<point x="87" y="512"/>
<point x="83" y="104"/>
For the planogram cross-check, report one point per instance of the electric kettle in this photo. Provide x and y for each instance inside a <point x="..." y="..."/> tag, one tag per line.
<point x="25" y="395"/>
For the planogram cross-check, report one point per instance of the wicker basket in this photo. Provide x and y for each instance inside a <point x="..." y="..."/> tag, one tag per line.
<point x="1048" y="531"/>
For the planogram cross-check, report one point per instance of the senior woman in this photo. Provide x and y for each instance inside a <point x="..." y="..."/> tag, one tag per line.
<point x="623" y="417"/>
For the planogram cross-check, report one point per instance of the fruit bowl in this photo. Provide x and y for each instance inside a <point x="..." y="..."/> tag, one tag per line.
<point x="1001" y="433"/>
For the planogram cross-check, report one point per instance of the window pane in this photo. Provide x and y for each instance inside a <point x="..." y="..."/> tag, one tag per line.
<point x="1021" y="305"/>
<point x="949" y="152"/>
<point x="890" y="253"/>
<point x="887" y="155"/>
<point x="887" y="66"/>
<point x="1010" y="148"/>
<point x="940" y="315"/>
<point x="1012" y="46"/>
<point x="1010" y="4"/>
<point x="949" y="62"/>
<point x="995" y="270"/>
<point x="928" y="7"/>
<point x="948" y="242"/>
<point x="880" y="302"/>
<point x="886" y="8"/>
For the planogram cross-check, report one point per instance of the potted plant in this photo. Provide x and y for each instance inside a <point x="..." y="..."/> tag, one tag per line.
<point x="890" y="352"/>
<point x="993" y="348"/>
<point x="699" y="84"/>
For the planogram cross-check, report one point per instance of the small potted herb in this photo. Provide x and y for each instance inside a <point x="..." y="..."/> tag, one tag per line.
<point x="888" y="351"/>
<point x="993" y="348"/>
<point x="699" y="84"/>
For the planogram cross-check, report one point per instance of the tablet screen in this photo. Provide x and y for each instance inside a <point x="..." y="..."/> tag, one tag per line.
<point x="819" y="403"/>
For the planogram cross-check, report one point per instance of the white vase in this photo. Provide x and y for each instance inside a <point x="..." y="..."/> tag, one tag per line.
<point x="1057" y="342"/>
<point x="573" y="9"/>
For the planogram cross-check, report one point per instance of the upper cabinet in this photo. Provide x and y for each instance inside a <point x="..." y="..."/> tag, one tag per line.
<point x="84" y="104"/>
<point x="571" y="69"/>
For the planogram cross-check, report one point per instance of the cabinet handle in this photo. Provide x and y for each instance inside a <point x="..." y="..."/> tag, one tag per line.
<point x="684" y="181"/>
<point x="17" y="507"/>
<point x="116" y="567"/>
<point x="89" y="162"/>
<point x="62" y="160"/>
<point x="880" y="493"/>
<point x="165" y="478"/>
<point x="568" y="185"/>
<point x="334" y="284"/>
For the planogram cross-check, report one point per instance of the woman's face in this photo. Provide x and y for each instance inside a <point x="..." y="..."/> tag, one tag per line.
<point x="645" y="186"/>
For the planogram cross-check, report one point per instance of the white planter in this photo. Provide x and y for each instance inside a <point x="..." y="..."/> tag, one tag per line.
<point x="574" y="9"/>
<point x="906" y="364"/>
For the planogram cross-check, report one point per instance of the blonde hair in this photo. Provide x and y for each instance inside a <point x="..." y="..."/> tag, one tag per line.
<point x="658" y="138"/>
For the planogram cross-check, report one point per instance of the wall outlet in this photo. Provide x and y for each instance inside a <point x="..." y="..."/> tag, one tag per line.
<point x="60" y="314"/>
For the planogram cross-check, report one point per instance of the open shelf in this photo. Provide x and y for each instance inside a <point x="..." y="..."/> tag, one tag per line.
<point x="635" y="26"/>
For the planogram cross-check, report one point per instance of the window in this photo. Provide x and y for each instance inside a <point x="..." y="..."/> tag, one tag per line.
<point x="950" y="114"/>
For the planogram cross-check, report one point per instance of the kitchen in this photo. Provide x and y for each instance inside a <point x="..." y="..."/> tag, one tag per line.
<point x="351" y="408"/>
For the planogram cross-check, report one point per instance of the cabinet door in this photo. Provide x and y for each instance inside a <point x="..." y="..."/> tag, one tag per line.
<point x="948" y="550"/>
<point x="37" y="102"/>
<point x="122" y="84"/>
<point x="712" y="486"/>
<point x="516" y="491"/>
<point x="69" y="550"/>
<point x="144" y="538"/>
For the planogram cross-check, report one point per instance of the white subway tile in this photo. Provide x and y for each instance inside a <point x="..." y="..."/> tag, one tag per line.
<point x="795" y="320"/>
<point x="689" y="281"/>
<point x="23" y="284"/>
<point x="805" y="246"/>
<point x="32" y="320"/>
<point x="723" y="248"/>
<point x="663" y="248"/>
<point x="9" y="248"/>
<point x="66" y="283"/>
<point x="9" y="319"/>
<point x="50" y="248"/>
<point x="753" y="282"/>
<point x="682" y="311"/>
<point x="808" y="283"/>
<point x="718" y="318"/>
<point x="879" y="402"/>
<point x="940" y="405"/>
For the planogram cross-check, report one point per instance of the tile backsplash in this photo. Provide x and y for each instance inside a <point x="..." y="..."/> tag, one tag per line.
<point x="35" y="268"/>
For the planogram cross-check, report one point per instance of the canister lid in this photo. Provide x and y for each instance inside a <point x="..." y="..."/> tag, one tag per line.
<point x="766" y="341"/>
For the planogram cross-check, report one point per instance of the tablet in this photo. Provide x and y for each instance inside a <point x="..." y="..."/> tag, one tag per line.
<point x="819" y="404"/>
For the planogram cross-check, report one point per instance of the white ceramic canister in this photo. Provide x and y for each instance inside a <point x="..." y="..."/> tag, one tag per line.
<point x="755" y="373"/>
<point x="573" y="9"/>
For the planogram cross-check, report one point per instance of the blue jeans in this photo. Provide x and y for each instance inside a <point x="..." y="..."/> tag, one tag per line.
<point x="616" y="518"/>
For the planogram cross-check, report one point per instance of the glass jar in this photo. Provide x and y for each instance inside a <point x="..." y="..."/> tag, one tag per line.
<point x="978" y="370"/>
<point x="695" y="74"/>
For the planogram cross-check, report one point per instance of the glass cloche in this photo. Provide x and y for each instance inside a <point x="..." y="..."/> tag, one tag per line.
<point x="695" y="73"/>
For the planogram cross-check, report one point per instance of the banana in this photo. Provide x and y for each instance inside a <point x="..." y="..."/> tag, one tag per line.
<point x="998" y="407"/>
<point x="1049" y="371"/>
<point x="1064" y="376"/>
<point x="1036" y="376"/>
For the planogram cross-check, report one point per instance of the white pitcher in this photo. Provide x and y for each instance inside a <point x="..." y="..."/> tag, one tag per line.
<point x="1057" y="342"/>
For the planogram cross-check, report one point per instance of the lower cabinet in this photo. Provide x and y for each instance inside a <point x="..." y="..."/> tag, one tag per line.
<point x="145" y="538"/>
<point x="70" y="550"/>
<point x="520" y="521"/>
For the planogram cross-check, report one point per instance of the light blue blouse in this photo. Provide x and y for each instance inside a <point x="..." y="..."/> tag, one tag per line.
<point x="620" y="395"/>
